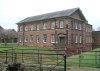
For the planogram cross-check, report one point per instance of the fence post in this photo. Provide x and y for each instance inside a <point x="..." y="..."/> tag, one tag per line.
<point x="57" y="57"/>
<point x="41" y="69"/>
<point x="22" y="56"/>
<point x="65" y="62"/>
<point x="99" y="59"/>
<point x="12" y="54"/>
<point x="38" y="57"/>
<point x="96" y="59"/>
<point x="79" y="60"/>
<point x="15" y="58"/>
<point x="6" y="57"/>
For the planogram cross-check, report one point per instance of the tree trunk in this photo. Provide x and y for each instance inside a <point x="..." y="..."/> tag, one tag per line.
<point x="5" y="41"/>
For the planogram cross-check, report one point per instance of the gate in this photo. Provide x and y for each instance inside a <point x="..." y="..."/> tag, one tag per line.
<point x="35" y="59"/>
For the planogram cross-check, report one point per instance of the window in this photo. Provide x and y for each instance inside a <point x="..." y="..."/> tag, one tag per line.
<point x="38" y="26"/>
<point x="32" y="27"/>
<point x="90" y="29"/>
<point x="52" y="38"/>
<point x="20" y="38"/>
<point x="44" y="25"/>
<point x="80" y="26"/>
<point x="61" y="24"/>
<point x="44" y="38"/>
<point x="76" y="25"/>
<point x="72" y="38"/>
<point x="26" y="28"/>
<point x="80" y="39"/>
<point x="20" y="28"/>
<point x="86" y="39"/>
<point x="31" y="38"/>
<point x="37" y="38"/>
<point x="53" y="25"/>
<point x="86" y="29"/>
<point x="26" y="39"/>
<point x="76" y="39"/>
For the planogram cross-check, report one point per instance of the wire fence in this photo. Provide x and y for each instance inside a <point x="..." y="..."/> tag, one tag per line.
<point x="39" y="60"/>
<point x="49" y="60"/>
<point x="89" y="59"/>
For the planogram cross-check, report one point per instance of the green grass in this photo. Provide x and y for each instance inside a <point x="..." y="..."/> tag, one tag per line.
<point x="85" y="59"/>
<point x="31" y="58"/>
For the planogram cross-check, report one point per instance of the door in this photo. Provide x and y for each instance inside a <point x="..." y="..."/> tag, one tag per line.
<point x="62" y="40"/>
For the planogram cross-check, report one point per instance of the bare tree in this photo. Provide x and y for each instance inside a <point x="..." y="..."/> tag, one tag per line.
<point x="9" y="34"/>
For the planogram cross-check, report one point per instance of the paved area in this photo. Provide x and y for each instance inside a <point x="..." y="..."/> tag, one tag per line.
<point x="83" y="69"/>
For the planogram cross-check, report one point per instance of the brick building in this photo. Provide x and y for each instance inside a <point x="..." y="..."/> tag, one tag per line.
<point x="96" y="39"/>
<point x="68" y="28"/>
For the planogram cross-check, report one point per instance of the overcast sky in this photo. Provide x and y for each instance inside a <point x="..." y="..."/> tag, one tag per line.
<point x="13" y="11"/>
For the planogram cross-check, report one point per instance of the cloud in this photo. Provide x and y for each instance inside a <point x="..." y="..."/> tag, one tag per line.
<point x="15" y="10"/>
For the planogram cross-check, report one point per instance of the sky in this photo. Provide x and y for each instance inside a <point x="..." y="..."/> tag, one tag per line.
<point x="13" y="11"/>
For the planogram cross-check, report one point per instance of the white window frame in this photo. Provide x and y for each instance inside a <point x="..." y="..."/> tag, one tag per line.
<point x="37" y="39"/>
<point x="52" y="38"/>
<point x="44" y="25"/>
<point x="80" y="26"/>
<point x="76" y="25"/>
<point x="20" y="39"/>
<point x="80" y="39"/>
<point x="31" y="38"/>
<point x="62" y="24"/>
<point x="38" y="27"/>
<point x="44" y="38"/>
<point x="26" y="28"/>
<point x="53" y="25"/>
<point x="26" y="39"/>
<point x="21" y="28"/>
<point x="76" y="39"/>
<point x="32" y="27"/>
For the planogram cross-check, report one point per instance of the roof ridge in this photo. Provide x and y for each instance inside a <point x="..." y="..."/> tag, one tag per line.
<point x="66" y="12"/>
<point x="54" y="12"/>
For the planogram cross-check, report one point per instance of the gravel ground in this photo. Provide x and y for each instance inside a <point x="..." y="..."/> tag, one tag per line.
<point x="83" y="69"/>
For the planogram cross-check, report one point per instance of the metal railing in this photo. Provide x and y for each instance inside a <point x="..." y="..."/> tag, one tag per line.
<point x="90" y="59"/>
<point x="40" y="60"/>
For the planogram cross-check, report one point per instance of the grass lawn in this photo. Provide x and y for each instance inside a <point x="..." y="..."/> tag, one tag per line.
<point x="85" y="59"/>
<point x="32" y="58"/>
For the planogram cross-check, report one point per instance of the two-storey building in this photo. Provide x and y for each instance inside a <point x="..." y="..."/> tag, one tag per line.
<point x="67" y="28"/>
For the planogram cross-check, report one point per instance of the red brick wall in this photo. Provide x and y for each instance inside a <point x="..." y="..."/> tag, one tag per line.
<point x="68" y="21"/>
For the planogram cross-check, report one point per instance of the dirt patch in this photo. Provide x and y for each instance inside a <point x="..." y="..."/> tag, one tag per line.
<point x="82" y="69"/>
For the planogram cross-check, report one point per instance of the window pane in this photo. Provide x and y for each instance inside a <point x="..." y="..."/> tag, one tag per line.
<point x="61" y="24"/>
<point x="31" y="38"/>
<point x="80" y="39"/>
<point x="44" y="38"/>
<point x="26" y="28"/>
<point x="52" y="38"/>
<point x="44" y="26"/>
<point x="53" y="25"/>
<point x="76" y="39"/>
<point x="21" y="28"/>
<point x="32" y="27"/>
<point x="26" y="39"/>
<point x="37" y="38"/>
<point x="80" y="26"/>
<point x="38" y="26"/>
<point x="76" y="25"/>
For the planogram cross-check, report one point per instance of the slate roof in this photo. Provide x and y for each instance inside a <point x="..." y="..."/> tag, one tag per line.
<point x="1" y="27"/>
<point x="95" y="32"/>
<point x="67" y="12"/>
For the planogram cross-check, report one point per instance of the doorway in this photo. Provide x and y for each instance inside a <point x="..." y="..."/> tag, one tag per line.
<point x="62" y="40"/>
